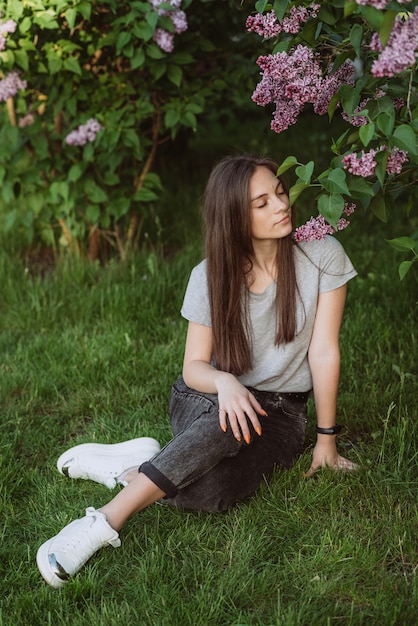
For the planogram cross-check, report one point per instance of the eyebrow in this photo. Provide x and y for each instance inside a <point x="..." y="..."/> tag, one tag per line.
<point x="279" y="184"/>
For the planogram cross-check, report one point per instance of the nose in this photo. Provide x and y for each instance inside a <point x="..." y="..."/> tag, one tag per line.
<point x="281" y="203"/>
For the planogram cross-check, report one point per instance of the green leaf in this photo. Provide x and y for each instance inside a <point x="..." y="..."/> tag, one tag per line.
<point x="379" y="208"/>
<point x="175" y="74"/>
<point x="386" y="27"/>
<point x="261" y="5"/>
<point x="54" y="65"/>
<point x="10" y="219"/>
<point x="189" y="119"/>
<point x="94" y="192"/>
<point x="172" y="118"/>
<point x="119" y="207"/>
<point x="138" y="59"/>
<point x="385" y="123"/>
<point x="331" y="206"/>
<point x="123" y="39"/>
<point x="373" y="16"/>
<point x="93" y="213"/>
<point x="360" y="188"/>
<point x="381" y="159"/>
<point x="145" y="195"/>
<point x="404" y="267"/>
<point x="350" y="97"/>
<point x="75" y="172"/>
<point x="335" y="182"/>
<point x="22" y="59"/>
<point x="46" y="19"/>
<point x="349" y="8"/>
<point x="152" y="19"/>
<point x="402" y="244"/>
<point x="289" y="162"/>
<point x="326" y="15"/>
<point x="58" y="191"/>
<point x="143" y="31"/>
<point x="25" y="25"/>
<point x="295" y="191"/>
<point x="356" y="36"/>
<point x="84" y="8"/>
<point x="405" y="138"/>
<point x="305" y="172"/>
<point x="130" y="138"/>
<point x="280" y="7"/>
<point x="71" y="16"/>
<point x="158" y="69"/>
<point x="366" y="133"/>
<point x="309" y="32"/>
<point x="72" y="65"/>
<point x="88" y="152"/>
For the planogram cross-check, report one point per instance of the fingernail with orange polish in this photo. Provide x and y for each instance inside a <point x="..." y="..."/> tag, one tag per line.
<point x="247" y="439"/>
<point x="223" y="426"/>
<point x="263" y="412"/>
<point x="258" y="431"/>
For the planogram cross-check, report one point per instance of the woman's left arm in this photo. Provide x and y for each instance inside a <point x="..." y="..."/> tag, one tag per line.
<point x="324" y="362"/>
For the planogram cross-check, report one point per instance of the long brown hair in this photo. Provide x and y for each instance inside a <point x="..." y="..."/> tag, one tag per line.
<point x="229" y="250"/>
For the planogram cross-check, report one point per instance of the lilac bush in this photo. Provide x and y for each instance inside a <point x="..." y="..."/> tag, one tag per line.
<point x="89" y="92"/>
<point x="355" y="60"/>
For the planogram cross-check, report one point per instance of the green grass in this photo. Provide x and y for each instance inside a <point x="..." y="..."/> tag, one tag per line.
<point x="89" y="354"/>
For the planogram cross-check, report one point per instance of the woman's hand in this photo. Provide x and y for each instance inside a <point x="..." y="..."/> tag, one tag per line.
<point x="237" y="405"/>
<point x="325" y="455"/>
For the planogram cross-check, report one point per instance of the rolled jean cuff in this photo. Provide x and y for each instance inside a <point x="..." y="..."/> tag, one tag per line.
<point x="159" y="479"/>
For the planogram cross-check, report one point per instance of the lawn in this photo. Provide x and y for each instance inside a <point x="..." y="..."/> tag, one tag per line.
<point x="89" y="352"/>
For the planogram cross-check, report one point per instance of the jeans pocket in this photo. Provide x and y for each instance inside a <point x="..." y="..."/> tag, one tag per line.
<point x="186" y="405"/>
<point x="294" y="410"/>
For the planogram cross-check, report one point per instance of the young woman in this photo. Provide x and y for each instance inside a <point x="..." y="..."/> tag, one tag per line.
<point x="264" y="319"/>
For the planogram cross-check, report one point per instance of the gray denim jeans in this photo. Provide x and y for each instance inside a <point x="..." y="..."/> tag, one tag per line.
<point x="203" y="468"/>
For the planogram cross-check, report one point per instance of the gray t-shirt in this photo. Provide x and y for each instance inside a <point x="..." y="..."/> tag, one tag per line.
<point x="321" y="266"/>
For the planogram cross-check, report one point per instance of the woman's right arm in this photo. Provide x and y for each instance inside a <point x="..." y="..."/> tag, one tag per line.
<point x="236" y="403"/>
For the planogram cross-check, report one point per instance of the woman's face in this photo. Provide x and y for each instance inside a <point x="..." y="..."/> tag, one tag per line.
<point x="270" y="210"/>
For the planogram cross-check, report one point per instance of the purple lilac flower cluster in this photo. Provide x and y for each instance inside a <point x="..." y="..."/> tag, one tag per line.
<point x="6" y="27"/>
<point x="268" y="25"/>
<point x="356" y="119"/>
<point x="344" y="75"/>
<point x="290" y="80"/>
<point x="400" y="50"/>
<point x="360" y="120"/>
<point x="395" y="161"/>
<point x="163" y="38"/>
<point x="10" y="85"/>
<point x="26" y="120"/>
<point x="380" y="4"/>
<point x="317" y="228"/>
<point x="84" y="133"/>
<point x="365" y="164"/>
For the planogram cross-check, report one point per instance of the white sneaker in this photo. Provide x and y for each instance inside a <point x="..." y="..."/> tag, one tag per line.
<point x="107" y="463"/>
<point x="65" y="554"/>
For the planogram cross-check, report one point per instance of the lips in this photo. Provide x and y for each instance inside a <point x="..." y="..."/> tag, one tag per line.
<point x="284" y="220"/>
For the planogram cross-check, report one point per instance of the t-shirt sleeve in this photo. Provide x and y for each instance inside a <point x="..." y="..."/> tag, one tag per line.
<point x="196" y="299"/>
<point x="336" y="268"/>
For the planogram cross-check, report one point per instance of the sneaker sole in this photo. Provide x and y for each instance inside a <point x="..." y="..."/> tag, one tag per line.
<point x="42" y="560"/>
<point x="111" y="449"/>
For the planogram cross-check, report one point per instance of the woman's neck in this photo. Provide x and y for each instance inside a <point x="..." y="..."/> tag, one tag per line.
<point x="264" y="269"/>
